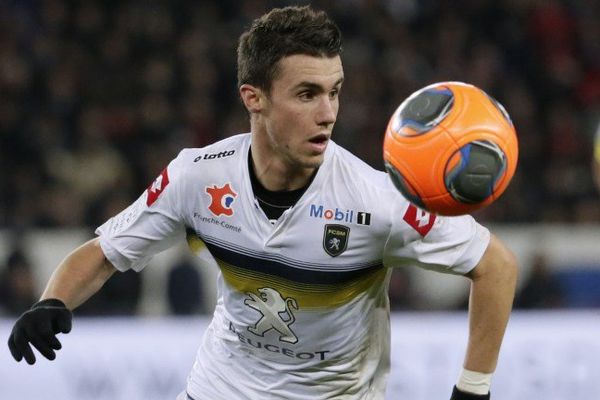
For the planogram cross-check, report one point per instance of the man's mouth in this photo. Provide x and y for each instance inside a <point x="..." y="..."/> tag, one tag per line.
<point x="318" y="143"/>
<point x="319" y="139"/>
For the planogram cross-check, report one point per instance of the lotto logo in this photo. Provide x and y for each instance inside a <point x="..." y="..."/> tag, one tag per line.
<point x="212" y="156"/>
<point x="420" y="220"/>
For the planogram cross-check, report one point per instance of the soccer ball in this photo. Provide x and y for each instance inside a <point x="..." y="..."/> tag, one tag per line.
<point x="450" y="148"/>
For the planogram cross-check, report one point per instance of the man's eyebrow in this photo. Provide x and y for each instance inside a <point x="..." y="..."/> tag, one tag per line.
<point x="315" y="86"/>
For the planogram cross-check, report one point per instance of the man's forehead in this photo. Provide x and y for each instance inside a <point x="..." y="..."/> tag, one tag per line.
<point x="300" y="69"/>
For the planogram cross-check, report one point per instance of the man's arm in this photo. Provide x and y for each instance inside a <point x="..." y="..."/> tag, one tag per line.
<point x="494" y="281"/>
<point x="492" y="292"/>
<point x="81" y="274"/>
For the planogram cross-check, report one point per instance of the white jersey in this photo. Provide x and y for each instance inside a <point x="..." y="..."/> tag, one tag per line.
<point x="302" y="310"/>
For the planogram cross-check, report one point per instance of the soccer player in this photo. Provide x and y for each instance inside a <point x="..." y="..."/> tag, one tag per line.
<point x="305" y="235"/>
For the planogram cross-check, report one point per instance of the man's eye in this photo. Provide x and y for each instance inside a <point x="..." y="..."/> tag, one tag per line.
<point x="306" y="95"/>
<point x="334" y="93"/>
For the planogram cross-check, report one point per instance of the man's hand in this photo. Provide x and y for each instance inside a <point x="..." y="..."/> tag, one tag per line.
<point x="458" y="395"/>
<point x="39" y="327"/>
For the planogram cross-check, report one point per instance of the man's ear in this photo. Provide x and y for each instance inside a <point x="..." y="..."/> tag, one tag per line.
<point x="253" y="98"/>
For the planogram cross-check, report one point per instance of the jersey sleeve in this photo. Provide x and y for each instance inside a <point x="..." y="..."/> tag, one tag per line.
<point x="444" y="244"/>
<point x="149" y="225"/>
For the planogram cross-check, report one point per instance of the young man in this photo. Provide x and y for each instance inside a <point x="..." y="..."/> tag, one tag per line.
<point x="305" y="235"/>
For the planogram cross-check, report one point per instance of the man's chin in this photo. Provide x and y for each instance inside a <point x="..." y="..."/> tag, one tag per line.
<point x="314" y="161"/>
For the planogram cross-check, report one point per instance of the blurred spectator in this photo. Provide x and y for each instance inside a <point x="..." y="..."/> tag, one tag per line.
<point x="184" y="289"/>
<point x="596" y="158"/>
<point x="120" y="295"/>
<point x="542" y="289"/>
<point x="17" y="292"/>
<point x="401" y="292"/>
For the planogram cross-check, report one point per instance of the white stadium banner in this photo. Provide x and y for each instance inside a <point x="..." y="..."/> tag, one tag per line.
<point x="550" y="356"/>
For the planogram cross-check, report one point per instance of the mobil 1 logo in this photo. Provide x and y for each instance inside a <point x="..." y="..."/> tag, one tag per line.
<point x="340" y="214"/>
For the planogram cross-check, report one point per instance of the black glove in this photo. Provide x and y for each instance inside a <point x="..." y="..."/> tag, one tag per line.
<point x="458" y="395"/>
<point x="39" y="326"/>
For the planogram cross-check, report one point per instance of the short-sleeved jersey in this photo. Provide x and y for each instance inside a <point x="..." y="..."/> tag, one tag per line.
<point x="302" y="309"/>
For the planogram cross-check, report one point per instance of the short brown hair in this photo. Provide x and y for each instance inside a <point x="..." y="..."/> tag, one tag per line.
<point x="280" y="33"/>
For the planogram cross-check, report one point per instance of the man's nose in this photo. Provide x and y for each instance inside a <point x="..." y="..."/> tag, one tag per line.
<point x="327" y="112"/>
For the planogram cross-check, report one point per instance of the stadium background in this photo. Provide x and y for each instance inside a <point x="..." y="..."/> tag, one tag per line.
<point x="97" y="96"/>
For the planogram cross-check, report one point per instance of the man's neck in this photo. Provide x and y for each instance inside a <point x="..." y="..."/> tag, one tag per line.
<point x="274" y="203"/>
<point x="275" y="175"/>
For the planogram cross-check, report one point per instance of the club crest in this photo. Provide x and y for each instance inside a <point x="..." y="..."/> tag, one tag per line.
<point x="335" y="239"/>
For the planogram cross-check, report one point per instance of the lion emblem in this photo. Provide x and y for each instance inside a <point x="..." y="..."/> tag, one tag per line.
<point x="334" y="244"/>
<point x="276" y="313"/>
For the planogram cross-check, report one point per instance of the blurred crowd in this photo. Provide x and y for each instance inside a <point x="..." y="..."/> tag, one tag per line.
<point x="96" y="97"/>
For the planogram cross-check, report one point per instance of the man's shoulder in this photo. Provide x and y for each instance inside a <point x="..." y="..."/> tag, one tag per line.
<point x="222" y="150"/>
<point x="221" y="156"/>
<point x="349" y="164"/>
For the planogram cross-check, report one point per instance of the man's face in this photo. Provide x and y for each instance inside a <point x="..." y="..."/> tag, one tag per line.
<point x="301" y="109"/>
